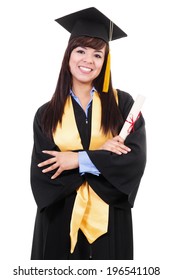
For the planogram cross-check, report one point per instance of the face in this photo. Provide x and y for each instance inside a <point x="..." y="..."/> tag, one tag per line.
<point x="86" y="63"/>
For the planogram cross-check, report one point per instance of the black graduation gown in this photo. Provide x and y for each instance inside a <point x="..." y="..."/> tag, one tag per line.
<point x="117" y="185"/>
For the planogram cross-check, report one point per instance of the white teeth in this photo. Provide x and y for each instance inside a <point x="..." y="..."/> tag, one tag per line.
<point x="85" y="69"/>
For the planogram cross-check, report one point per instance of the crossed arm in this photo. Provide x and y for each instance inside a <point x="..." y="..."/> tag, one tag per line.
<point x="61" y="161"/>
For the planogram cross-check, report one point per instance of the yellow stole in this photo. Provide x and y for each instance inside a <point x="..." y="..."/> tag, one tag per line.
<point x="90" y="212"/>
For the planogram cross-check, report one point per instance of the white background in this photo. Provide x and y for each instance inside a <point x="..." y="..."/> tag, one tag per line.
<point x="31" y="48"/>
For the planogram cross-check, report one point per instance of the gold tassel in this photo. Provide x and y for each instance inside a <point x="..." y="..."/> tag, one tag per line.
<point x="107" y="74"/>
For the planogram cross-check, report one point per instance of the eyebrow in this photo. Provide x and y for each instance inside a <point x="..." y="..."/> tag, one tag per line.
<point x="91" y="48"/>
<point x="99" y="51"/>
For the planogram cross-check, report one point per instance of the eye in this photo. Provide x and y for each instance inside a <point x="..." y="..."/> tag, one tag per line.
<point x="98" y="55"/>
<point x="81" y="51"/>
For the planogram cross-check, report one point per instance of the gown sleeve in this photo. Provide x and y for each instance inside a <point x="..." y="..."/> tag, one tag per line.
<point x="45" y="190"/>
<point x="121" y="174"/>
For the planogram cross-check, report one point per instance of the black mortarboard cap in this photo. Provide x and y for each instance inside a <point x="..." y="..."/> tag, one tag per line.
<point x="91" y="22"/>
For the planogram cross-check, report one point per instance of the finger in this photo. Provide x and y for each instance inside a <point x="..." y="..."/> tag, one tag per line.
<point x="113" y="148"/>
<point x="47" y="162"/>
<point x="50" y="168"/>
<point x="57" y="173"/>
<point x="120" y="149"/>
<point x="117" y="143"/>
<point x="116" y="152"/>
<point x="124" y="148"/>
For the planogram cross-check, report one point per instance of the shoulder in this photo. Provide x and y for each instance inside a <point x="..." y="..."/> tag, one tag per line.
<point x="125" y="102"/>
<point x="41" y="109"/>
<point x="39" y="113"/>
<point x="124" y="96"/>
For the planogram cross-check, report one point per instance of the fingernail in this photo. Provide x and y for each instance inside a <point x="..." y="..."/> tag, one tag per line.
<point x="39" y="165"/>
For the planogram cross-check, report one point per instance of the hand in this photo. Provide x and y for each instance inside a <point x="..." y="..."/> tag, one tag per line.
<point x="60" y="161"/>
<point x="115" y="145"/>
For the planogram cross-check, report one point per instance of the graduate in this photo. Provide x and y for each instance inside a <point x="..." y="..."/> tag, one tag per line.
<point x="84" y="176"/>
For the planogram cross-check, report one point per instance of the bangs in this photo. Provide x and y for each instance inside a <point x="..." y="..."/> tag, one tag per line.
<point x="90" y="42"/>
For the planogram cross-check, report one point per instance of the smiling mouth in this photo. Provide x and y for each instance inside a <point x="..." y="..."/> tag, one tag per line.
<point x="85" y="69"/>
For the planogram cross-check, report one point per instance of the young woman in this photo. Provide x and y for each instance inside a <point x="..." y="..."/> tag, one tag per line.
<point x="83" y="176"/>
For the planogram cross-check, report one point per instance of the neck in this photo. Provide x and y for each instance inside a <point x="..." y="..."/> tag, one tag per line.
<point x="81" y="90"/>
<point x="83" y="93"/>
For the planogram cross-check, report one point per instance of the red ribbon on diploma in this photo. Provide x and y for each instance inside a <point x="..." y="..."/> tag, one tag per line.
<point x="132" y="122"/>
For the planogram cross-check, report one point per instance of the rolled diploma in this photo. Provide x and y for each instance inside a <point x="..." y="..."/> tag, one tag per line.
<point x="132" y="116"/>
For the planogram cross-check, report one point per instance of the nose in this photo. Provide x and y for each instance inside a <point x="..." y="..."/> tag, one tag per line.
<point x="88" y="59"/>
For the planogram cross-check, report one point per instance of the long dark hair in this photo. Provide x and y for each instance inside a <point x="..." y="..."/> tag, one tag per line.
<point x="111" y="116"/>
